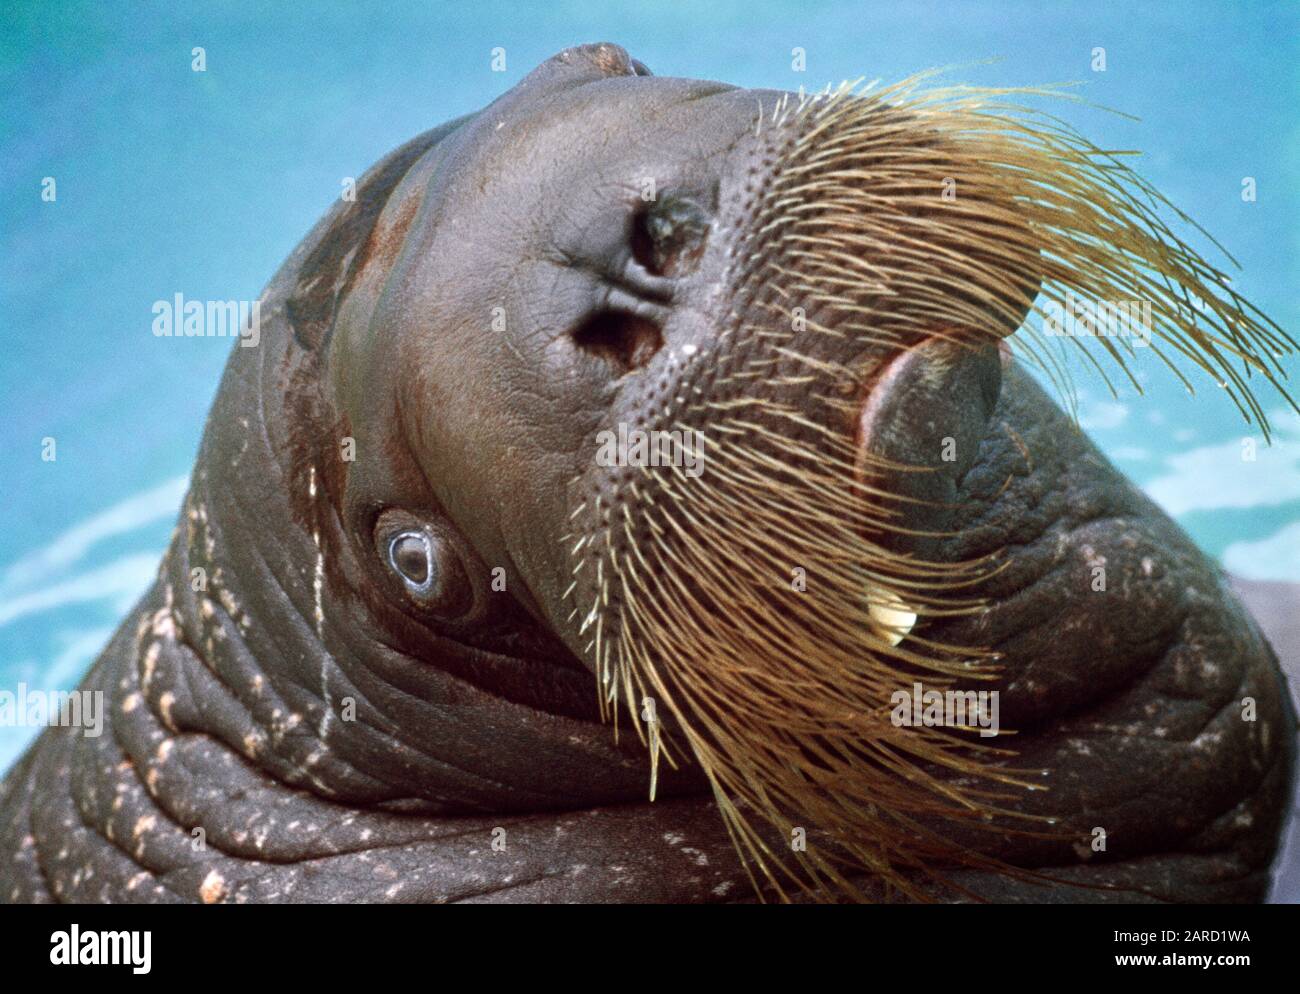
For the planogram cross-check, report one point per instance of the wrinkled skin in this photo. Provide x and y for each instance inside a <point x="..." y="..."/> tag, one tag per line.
<point x="308" y="728"/>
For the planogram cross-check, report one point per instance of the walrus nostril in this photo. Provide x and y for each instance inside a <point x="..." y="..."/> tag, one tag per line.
<point x="626" y="341"/>
<point x="668" y="237"/>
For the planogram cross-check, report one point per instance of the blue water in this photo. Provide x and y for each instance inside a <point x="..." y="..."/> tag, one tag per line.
<point x="174" y="181"/>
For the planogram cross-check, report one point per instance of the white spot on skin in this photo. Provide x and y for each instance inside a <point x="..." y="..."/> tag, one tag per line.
<point x="163" y="624"/>
<point x="1208" y="740"/>
<point x="229" y="603"/>
<point x="213" y="888"/>
<point x="165" y="709"/>
<point x="318" y="597"/>
<point x="318" y="586"/>
<point x="150" y="664"/>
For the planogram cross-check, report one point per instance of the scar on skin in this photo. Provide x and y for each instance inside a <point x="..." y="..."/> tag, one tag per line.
<point x="1020" y="444"/>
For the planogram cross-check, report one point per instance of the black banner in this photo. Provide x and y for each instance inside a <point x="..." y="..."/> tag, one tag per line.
<point x="935" y="946"/>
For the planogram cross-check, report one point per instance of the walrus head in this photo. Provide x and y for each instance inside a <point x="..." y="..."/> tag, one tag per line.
<point x="654" y="396"/>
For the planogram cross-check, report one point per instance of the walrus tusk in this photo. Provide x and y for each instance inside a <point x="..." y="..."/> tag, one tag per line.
<point x="892" y="615"/>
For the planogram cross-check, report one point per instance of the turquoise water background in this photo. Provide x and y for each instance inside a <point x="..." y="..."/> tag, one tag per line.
<point x="170" y="180"/>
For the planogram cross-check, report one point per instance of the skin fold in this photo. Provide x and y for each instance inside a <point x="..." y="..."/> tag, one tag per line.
<point x="435" y="360"/>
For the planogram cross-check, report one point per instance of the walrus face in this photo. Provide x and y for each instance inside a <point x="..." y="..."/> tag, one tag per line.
<point x="800" y="305"/>
<point x="653" y="278"/>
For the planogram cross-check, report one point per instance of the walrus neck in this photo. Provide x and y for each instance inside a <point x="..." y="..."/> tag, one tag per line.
<point x="243" y="584"/>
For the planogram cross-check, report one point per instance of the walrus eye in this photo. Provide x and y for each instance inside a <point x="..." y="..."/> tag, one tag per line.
<point x="432" y="572"/>
<point x="668" y="238"/>
<point x="411" y="555"/>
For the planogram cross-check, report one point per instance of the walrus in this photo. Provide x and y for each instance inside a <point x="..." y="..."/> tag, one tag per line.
<point x="641" y="491"/>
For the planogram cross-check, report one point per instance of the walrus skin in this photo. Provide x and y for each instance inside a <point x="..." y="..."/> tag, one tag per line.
<point x="304" y="728"/>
